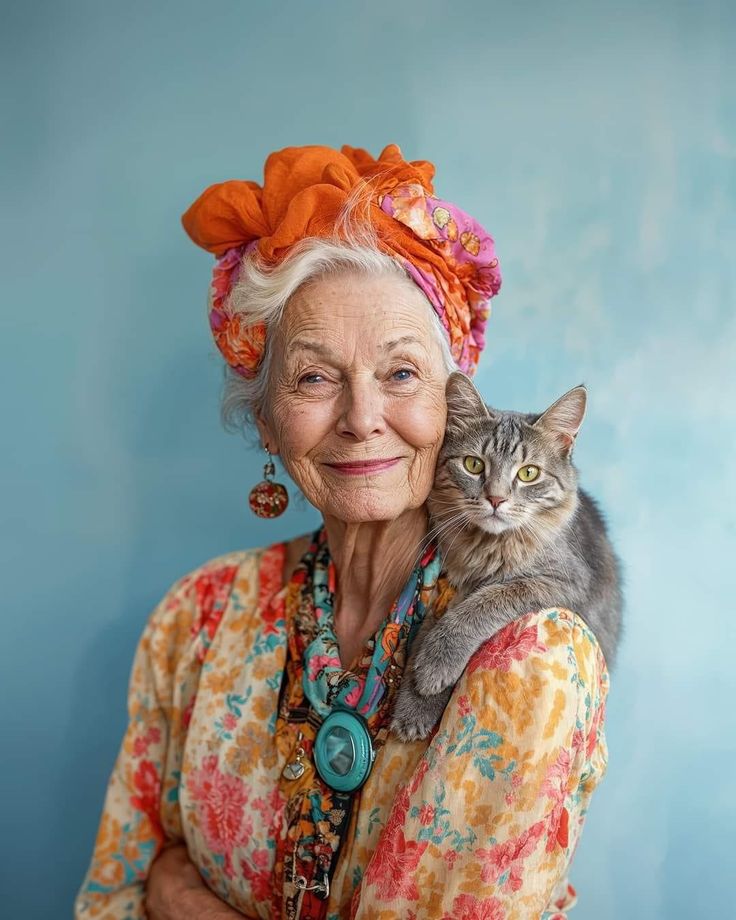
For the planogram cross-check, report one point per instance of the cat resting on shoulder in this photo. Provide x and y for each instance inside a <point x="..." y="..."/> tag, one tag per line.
<point x="516" y="534"/>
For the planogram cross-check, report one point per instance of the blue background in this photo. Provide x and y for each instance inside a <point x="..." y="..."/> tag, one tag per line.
<point x="600" y="149"/>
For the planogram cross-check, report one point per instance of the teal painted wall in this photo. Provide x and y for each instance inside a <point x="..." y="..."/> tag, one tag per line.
<point x="600" y="149"/>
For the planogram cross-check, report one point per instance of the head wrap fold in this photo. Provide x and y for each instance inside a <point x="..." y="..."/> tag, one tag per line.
<point x="304" y="193"/>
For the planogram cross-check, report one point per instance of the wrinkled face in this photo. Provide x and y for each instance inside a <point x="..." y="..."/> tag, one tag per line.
<point x="357" y="396"/>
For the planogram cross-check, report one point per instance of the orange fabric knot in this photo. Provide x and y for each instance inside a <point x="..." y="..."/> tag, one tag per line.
<point x="304" y="192"/>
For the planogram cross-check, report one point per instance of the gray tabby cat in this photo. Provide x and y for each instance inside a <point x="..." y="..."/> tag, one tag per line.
<point x="516" y="534"/>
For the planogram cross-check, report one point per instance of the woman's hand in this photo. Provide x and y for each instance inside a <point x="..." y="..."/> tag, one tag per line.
<point x="175" y="890"/>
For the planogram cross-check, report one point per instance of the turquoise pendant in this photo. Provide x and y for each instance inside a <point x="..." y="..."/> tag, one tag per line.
<point x="343" y="750"/>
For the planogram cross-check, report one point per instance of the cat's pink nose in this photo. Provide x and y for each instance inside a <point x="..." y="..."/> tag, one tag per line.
<point x="495" y="500"/>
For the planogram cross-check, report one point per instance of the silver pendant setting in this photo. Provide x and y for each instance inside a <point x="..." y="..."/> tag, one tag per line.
<point x="296" y="768"/>
<point x="293" y="770"/>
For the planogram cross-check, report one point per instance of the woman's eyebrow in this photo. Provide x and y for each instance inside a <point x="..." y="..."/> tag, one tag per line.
<point x="402" y="340"/>
<point x="307" y="345"/>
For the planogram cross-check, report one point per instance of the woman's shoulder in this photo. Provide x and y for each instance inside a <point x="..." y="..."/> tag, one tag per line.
<point x="274" y="561"/>
<point x="192" y="607"/>
<point x="553" y="639"/>
<point x="541" y="675"/>
<point x="534" y="694"/>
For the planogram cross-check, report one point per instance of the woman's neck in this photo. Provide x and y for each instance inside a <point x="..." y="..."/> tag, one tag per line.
<point x="372" y="563"/>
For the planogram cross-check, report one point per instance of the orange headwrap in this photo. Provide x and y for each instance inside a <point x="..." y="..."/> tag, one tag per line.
<point x="305" y="189"/>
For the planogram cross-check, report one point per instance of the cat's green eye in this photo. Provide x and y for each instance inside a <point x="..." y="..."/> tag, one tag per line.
<point x="473" y="465"/>
<point x="528" y="473"/>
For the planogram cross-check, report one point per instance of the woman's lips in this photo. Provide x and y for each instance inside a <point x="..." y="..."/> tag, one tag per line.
<point x="363" y="467"/>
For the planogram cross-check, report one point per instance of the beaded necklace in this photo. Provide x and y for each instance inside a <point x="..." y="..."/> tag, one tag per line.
<point x="317" y="817"/>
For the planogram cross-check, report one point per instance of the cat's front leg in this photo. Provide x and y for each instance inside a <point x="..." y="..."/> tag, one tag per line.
<point x="445" y="651"/>
<point x="414" y="716"/>
<point x="465" y="626"/>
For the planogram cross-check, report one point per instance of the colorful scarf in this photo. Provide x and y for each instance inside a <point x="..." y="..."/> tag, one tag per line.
<point x="318" y="817"/>
<point x="449" y="255"/>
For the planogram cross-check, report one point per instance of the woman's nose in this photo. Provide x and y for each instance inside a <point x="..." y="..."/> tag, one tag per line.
<point x="362" y="415"/>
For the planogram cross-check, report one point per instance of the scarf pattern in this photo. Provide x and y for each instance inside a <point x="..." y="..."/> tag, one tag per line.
<point x="317" y="818"/>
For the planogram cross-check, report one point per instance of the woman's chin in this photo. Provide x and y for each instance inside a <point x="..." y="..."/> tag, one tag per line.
<point x="359" y="506"/>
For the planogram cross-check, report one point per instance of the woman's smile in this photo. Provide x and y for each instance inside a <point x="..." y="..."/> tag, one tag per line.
<point x="364" y="467"/>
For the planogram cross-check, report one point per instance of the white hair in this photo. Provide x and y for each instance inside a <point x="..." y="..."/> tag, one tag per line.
<point x="262" y="292"/>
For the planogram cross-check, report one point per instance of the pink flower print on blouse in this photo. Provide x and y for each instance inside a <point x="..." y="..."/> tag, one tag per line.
<point x="463" y="706"/>
<point x="555" y="788"/>
<point x="142" y="742"/>
<point x="508" y="857"/>
<point x="148" y="789"/>
<point x="468" y="907"/>
<point x="426" y="814"/>
<point x="513" y="643"/>
<point x="211" y="590"/>
<point x="258" y="873"/>
<point x="393" y="867"/>
<point x="220" y="800"/>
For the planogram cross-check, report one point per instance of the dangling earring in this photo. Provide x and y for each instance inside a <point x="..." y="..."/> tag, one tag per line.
<point x="268" y="499"/>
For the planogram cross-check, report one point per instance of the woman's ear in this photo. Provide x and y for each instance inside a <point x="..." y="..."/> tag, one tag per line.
<point x="268" y="438"/>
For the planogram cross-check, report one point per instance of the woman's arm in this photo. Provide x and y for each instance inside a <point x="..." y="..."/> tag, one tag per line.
<point x="175" y="890"/>
<point x="488" y="823"/>
<point x="141" y="804"/>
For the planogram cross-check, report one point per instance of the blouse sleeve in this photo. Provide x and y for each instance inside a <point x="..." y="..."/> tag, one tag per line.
<point x="140" y="812"/>
<point x="487" y="824"/>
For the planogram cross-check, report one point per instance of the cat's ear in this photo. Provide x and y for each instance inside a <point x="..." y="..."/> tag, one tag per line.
<point x="564" y="417"/>
<point x="464" y="403"/>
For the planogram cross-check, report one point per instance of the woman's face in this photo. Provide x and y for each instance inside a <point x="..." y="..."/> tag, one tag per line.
<point x="357" y="396"/>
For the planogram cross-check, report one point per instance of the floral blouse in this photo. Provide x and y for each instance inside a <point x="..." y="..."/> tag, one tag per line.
<point x="477" y="822"/>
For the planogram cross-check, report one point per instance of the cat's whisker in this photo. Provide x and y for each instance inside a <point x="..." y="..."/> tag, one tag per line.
<point x="431" y="536"/>
<point x="450" y="535"/>
<point x="441" y="529"/>
<point x="448" y="550"/>
<point x="455" y="511"/>
<point x="457" y="518"/>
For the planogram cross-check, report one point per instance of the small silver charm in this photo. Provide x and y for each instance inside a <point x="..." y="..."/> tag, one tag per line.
<point x="293" y="770"/>
<point x="296" y="768"/>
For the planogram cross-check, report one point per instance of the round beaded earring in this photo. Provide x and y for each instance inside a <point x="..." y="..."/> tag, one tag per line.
<point x="268" y="499"/>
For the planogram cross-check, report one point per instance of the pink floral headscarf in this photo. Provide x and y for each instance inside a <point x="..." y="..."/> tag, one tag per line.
<point x="449" y="255"/>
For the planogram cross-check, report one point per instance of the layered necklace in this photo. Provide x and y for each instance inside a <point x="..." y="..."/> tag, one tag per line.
<point x="332" y="720"/>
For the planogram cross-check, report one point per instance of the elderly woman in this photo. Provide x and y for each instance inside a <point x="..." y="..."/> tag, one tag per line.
<point x="343" y="295"/>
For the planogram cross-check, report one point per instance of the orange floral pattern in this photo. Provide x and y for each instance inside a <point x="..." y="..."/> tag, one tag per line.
<point x="478" y="821"/>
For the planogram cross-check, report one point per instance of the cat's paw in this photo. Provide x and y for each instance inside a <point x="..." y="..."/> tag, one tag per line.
<point x="439" y="663"/>
<point x="414" y="716"/>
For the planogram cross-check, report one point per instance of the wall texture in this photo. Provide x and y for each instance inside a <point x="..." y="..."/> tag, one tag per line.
<point x="599" y="148"/>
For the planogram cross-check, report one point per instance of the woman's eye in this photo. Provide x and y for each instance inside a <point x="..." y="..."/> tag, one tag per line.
<point x="403" y="373"/>
<point x="473" y="465"/>
<point x="528" y="473"/>
<point x="311" y="378"/>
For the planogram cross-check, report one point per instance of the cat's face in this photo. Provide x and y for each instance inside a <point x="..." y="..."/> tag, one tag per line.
<point x="503" y="471"/>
